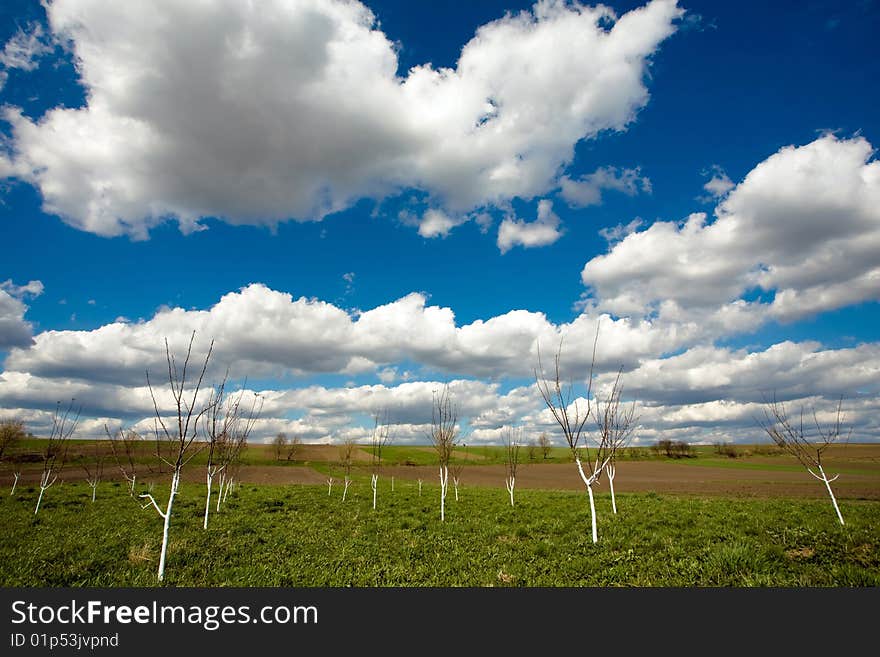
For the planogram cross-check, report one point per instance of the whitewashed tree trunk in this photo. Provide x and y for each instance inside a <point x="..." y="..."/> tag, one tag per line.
<point x="588" y="482"/>
<point x="345" y="488"/>
<point x="374" y="484"/>
<point x="420" y="487"/>
<point x="824" y="478"/>
<point x="455" y="486"/>
<point x="392" y="484"/>
<point x="221" y="488"/>
<point x="444" y="485"/>
<point x="94" y="486"/>
<point x="230" y="486"/>
<point x="166" y="517"/>
<point x="611" y="471"/>
<point x="329" y="486"/>
<point x="510" y="483"/>
<point x="15" y="483"/>
<point x="44" y="484"/>
<point x="210" y="478"/>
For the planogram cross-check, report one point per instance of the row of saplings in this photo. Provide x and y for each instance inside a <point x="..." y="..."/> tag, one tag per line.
<point x="227" y="423"/>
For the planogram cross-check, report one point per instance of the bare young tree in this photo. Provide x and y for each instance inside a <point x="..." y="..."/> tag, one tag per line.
<point x="329" y="485"/>
<point x="279" y="443"/>
<point x="545" y="445"/>
<point x="346" y="456"/>
<point x="803" y="443"/>
<point x="55" y="449"/>
<point x="94" y="468"/>
<point x="124" y="447"/>
<point x="175" y="445"/>
<point x="379" y="438"/>
<point x="512" y="438"/>
<point x="615" y="424"/>
<point x="571" y="413"/>
<point x="443" y="435"/>
<point x="293" y="447"/>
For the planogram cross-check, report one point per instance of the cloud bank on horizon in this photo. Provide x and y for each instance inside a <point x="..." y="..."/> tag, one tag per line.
<point x="293" y="111"/>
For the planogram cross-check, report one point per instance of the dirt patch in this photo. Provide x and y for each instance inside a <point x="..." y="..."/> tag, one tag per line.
<point x="659" y="477"/>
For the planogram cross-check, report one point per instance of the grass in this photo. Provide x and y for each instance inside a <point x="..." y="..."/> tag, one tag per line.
<point x="298" y="536"/>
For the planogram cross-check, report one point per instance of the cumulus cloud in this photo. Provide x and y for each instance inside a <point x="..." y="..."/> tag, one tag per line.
<point x="263" y="332"/>
<point x="587" y="190"/>
<point x="804" y="224"/>
<point x="542" y="231"/>
<point x="257" y="114"/>
<point x="787" y="370"/>
<point x="15" y="331"/>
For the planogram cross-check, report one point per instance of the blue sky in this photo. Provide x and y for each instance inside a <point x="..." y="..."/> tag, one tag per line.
<point x="293" y="161"/>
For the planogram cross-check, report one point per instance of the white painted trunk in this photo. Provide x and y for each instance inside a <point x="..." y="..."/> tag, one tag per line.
<point x="39" y="500"/>
<point x="420" y="487"/>
<point x="133" y="481"/>
<point x="210" y="478"/>
<point x="510" y="482"/>
<point x="44" y="484"/>
<point x="329" y="486"/>
<point x="94" y="486"/>
<point x="833" y="499"/>
<point x="444" y="484"/>
<point x="374" y="484"/>
<point x="230" y="485"/>
<point x="175" y="481"/>
<point x="455" y="486"/>
<point x="611" y="471"/>
<point x="15" y="483"/>
<point x="588" y="482"/>
<point x="392" y="484"/>
<point x="592" y="513"/>
<point x="345" y="488"/>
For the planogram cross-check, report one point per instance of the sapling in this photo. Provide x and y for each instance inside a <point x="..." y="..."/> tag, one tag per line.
<point x="94" y="470"/>
<point x="379" y="438"/>
<point x="571" y="414"/>
<point x="444" y="432"/>
<point x="15" y="474"/>
<point x="615" y="425"/>
<point x="124" y="446"/>
<point x="55" y="450"/>
<point x="512" y="440"/>
<point x="795" y="439"/>
<point x="175" y="446"/>
<point x="226" y="428"/>
<point x="346" y="454"/>
<point x="329" y="486"/>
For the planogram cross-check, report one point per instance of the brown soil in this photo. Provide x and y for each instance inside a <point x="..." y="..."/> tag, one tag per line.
<point x="661" y="476"/>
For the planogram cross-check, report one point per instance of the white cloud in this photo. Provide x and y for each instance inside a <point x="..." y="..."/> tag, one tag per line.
<point x="29" y="289"/>
<point x="436" y="223"/>
<point x="804" y="224"/>
<point x="263" y="332"/>
<point x="541" y="232"/>
<point x="718" y="185"/>
<point x="14" y="330"/>
<point x="25" y="47"/>
<point x="587" y="190"/>
<point x="788" y="370"/>
<point x="260" y="113"/>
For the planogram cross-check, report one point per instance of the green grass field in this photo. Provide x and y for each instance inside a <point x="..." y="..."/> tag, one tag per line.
<point x="298" y="536"/>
